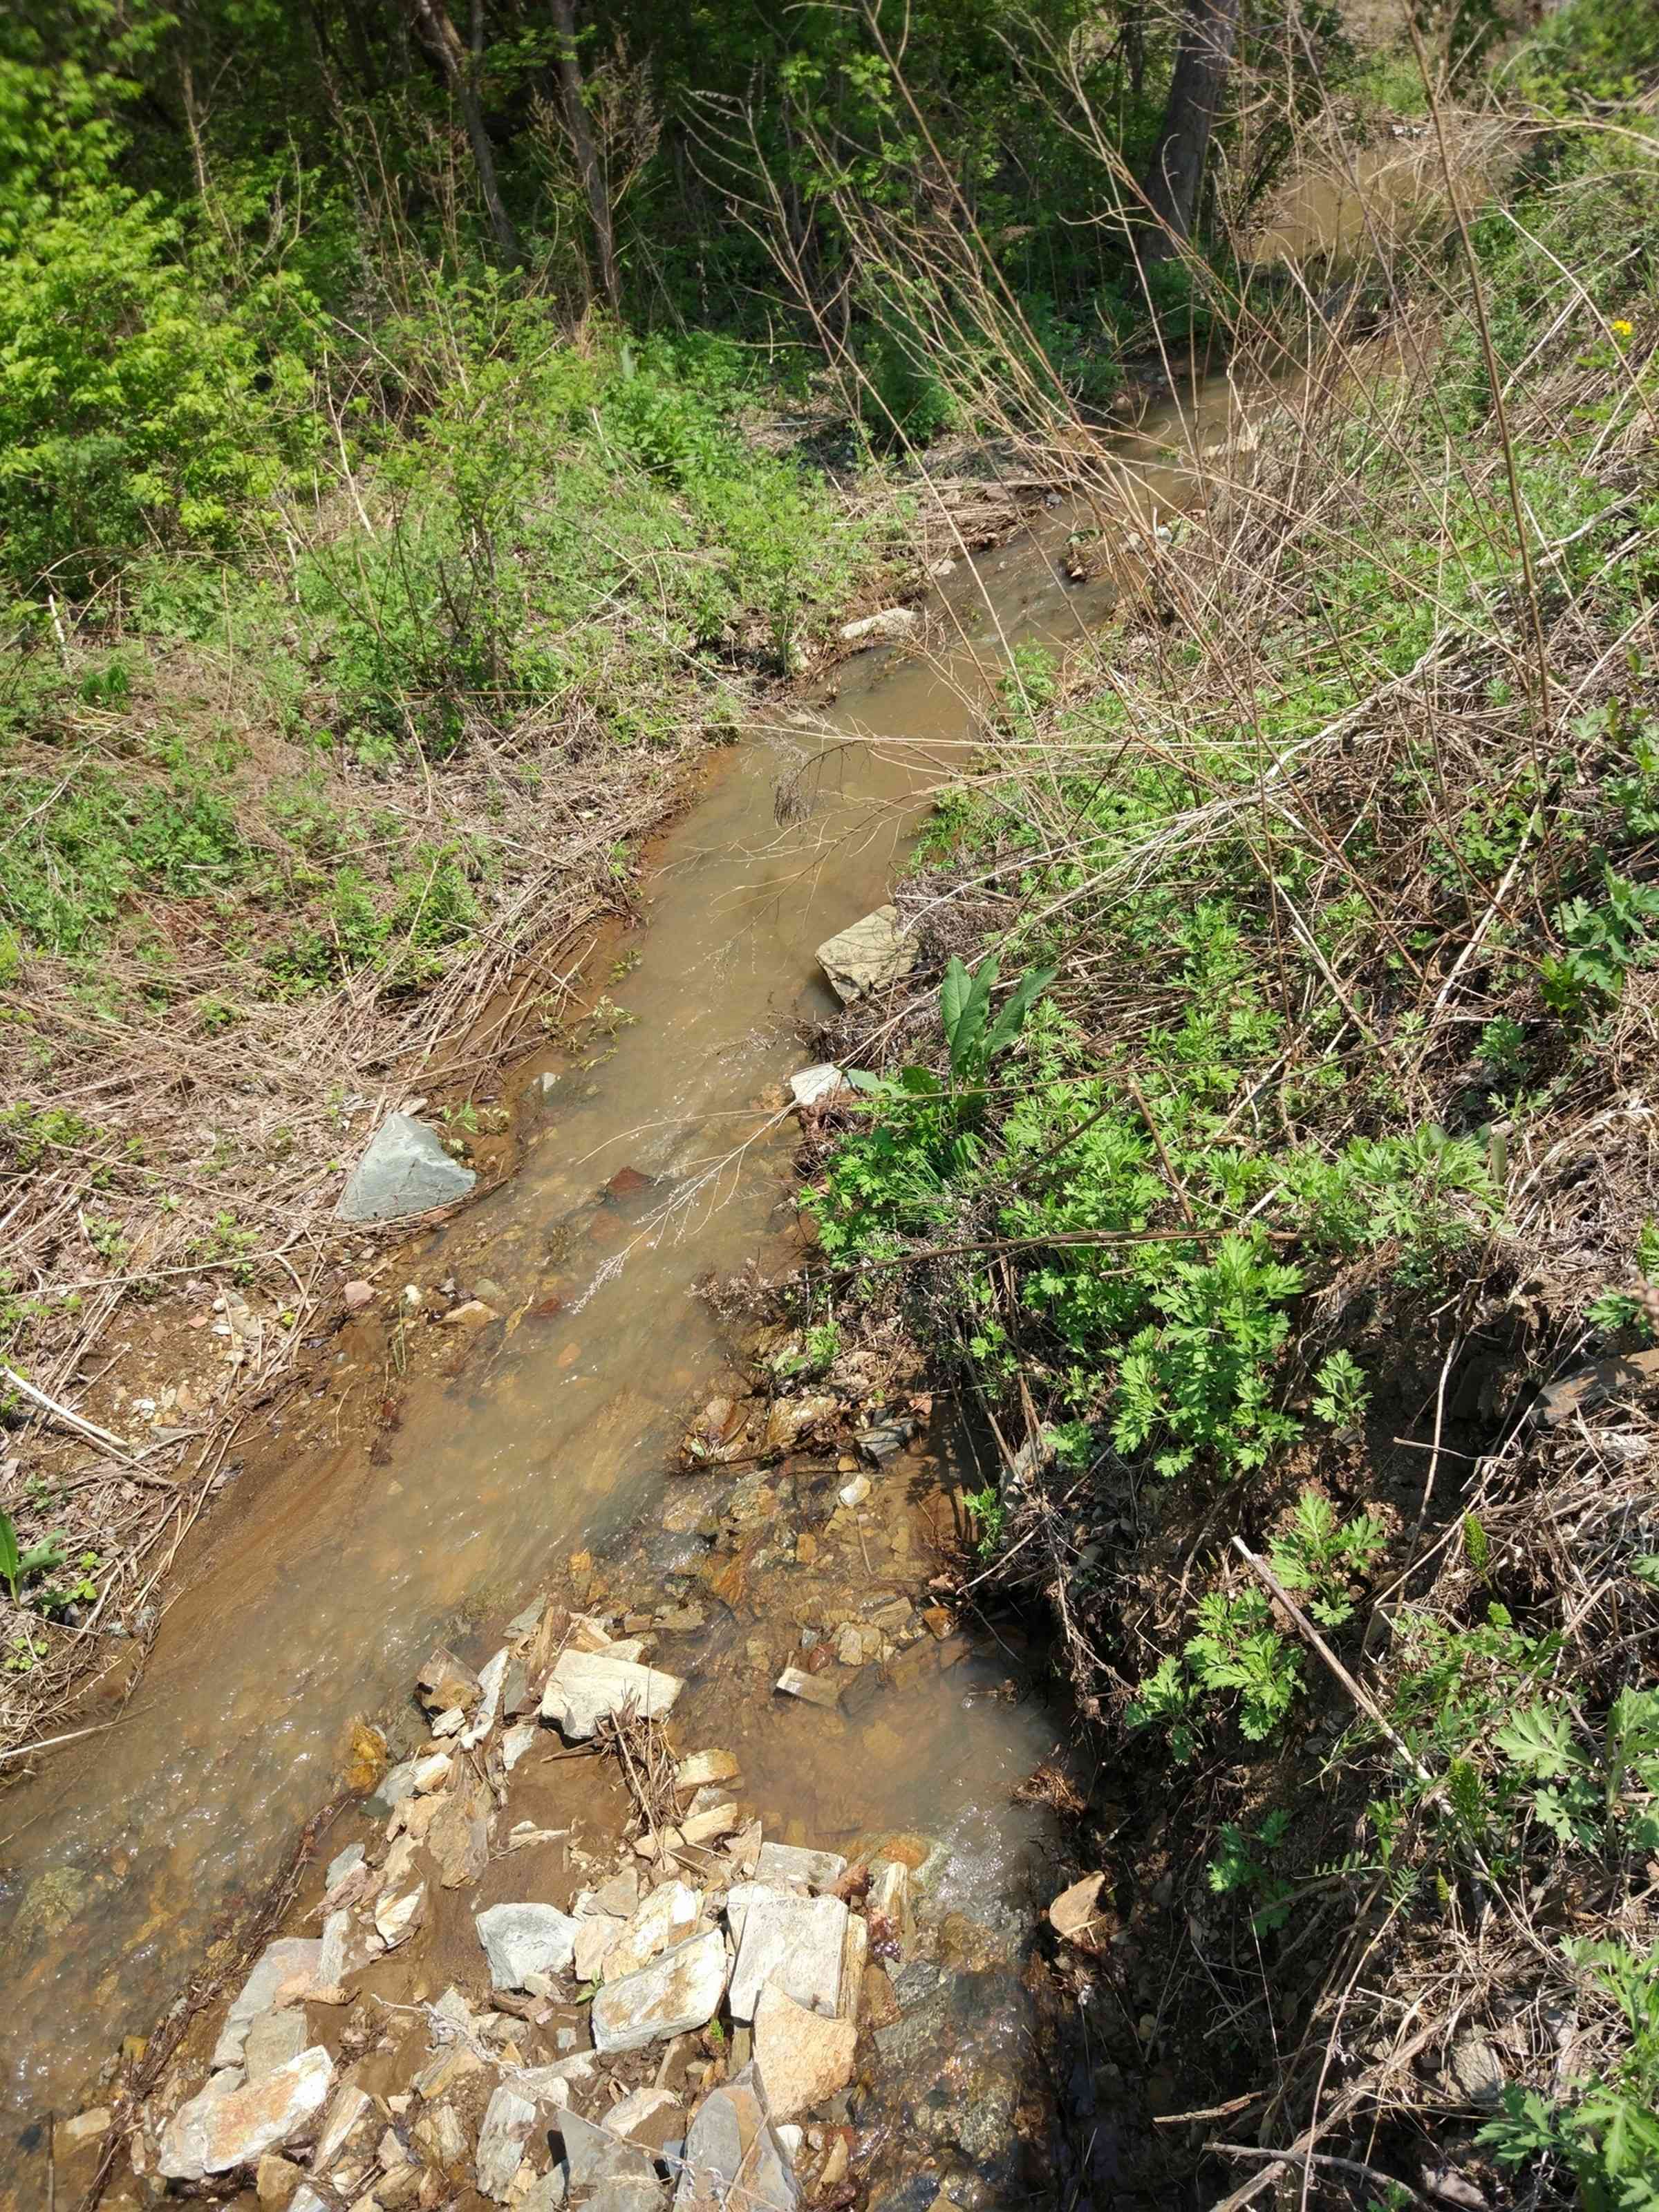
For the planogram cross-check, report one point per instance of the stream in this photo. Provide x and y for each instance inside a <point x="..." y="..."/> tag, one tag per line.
<point x="314" y="1590"/>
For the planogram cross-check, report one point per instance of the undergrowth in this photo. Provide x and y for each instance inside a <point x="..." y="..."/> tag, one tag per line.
<point x="1322" y="1147"/>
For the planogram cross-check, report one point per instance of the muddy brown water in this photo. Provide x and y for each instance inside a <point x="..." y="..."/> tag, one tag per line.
<point x="310" y="1600"/>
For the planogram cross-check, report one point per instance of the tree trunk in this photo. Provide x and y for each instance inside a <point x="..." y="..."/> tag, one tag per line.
<point x="1176" y="172"/>
<point x="587" y="153"/>
<point x="443" y="41"/>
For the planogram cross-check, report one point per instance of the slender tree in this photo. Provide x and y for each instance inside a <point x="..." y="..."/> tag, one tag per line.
<point x="578" y="124"/>
<point x="438" y="34"/>
<point x="1176" y="174"/>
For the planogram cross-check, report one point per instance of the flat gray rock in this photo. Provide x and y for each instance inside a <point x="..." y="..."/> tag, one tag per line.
<point x="594" y="2155"/>
<point x="795" y="1868"/>
<point x="509" y="2118"/>
<point x="732" y="2155"/>
<point x="404" y="1171"/>
<point x="520" y="1939"/>
<point x="872" y="954"/>
<point x="676" y="1993"/>
<point x="789" y="1939"/>
<point x="585" y="1687"/>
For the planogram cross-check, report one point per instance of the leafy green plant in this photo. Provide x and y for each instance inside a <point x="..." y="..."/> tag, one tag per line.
<point x="16" y="1566"/>
<point x="1340" y="1393"/>
<point x="1606" y="2130"/>
<point x="1243" y="1867"/>
<point x="1235" y="1649"/>
<point x="973" y="1040"/>
<point x="1201" y="1376"/>
<point x="990" y="1516"/>
<point x="1603" y="942"/>
<point x="1320" y="1554"/>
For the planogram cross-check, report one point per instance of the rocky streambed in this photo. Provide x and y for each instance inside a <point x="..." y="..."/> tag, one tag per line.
<point x="711" y="1881"/>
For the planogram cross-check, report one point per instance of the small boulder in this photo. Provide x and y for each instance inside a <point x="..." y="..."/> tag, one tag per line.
<point x="677" y="1992"/>
<point x="404" y="1171"/>
<point x="587" y="1686"/>
<point x="802" y="2058"/>
<point x="520" y="1939"/>
<point x="273" y="2040"/>
<point x="651" y="2118"/>
<point x="216" y="2132"/>
<point x="866" y="957"/>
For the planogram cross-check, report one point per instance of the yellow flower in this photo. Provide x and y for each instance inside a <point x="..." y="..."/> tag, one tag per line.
<point x="1621" y="330"/>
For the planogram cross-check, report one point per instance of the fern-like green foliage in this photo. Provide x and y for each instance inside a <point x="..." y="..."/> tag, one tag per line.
<point x="1320" y="1553"/>
<point x="1605" y="2130"/>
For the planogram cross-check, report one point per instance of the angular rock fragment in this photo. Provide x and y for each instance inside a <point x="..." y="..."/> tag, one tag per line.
<point x="667" y="1918"/>
<point x="445" y="1682"/>
<point x="812" y="1085"/>
<point x="794" y="1867"/>
<point x="594" y="2154"/>
<point x="507" y="2121"/>
<point x="871" y="955"/>
<point x="703" y="1767"/>
<point x="677" y="1992"/>
<point x="651" y="2118"/>
<point x="587" y="1686"/>
<point x="732" y="2155"/>
<point x="520" y="1939"/>
<point x="350" y="2105"/>
<point x="811" y="1689"/>
<point x="406" y="1169"/>
<point x="783" y="1937"/>
<point x="285" y="1972"/>
<point x="1076" y="1910"/>
<point x="217" y="2133"/>
<point x="802" y="2058"/>
<point x="273" y="2040"/>
<point x="885" y="624"/>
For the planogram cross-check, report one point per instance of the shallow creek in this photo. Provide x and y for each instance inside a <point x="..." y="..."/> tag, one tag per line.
<point x="314" y="1593"/>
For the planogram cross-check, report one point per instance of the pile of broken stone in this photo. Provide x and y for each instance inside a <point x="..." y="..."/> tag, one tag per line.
<point x="707" y="1938"/>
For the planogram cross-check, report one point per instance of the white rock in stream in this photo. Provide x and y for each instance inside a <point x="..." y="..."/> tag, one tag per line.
<point x="216" y="2132"/>
<point x="587" y="1687"/>
<point x="674" y="1994"/>
<point x="784" y="1938"/>
<point x="872" y="954"/>
<point x="888" y="622"/>
<point x="520" y="1940"/>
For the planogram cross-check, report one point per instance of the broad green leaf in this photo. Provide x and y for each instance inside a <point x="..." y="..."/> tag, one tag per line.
<point x="1009" y="1022"/>
<point x="10" y="1564"/>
